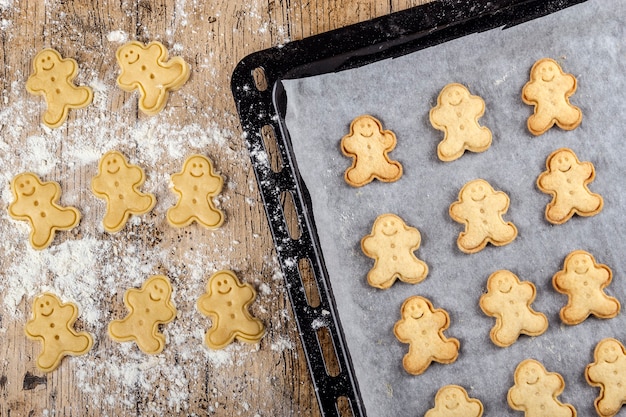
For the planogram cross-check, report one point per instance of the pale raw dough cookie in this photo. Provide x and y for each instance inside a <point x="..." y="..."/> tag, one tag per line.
<point x="536" y="390"/>
<point x="392" y="244"/>
<point x="52" y="324"/>
<point x="453" y="401"/>
<point x="480" y="208"/>
<point x="368" y="145"/>
<point x="456" y="114"/>
<point x="196" y="185"/>
<point x="608" y="372"/>
<point x="509" y="301"/>
<point x="147" y="69"/>
<point x="148" y="307"/>
<point x="583" y="281"/>
<point x="226" y="302"/>
<point x="422" y="328"/>
<point x="52" y="78"/>
<point x="566" y="179"/>
<point x="36" y="202"/>
<point x="118" y="183"/>
<point x="549" y="90"/>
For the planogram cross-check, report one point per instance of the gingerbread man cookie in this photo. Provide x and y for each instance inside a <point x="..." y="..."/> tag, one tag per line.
<point x="52" y="323"/>
<point x="536" y="390"/>
<point x="392" y="244"/>
<point x="422" y="328"/>
<point x="146" y="68"/>
<point x="583" y="280"/>
<point x="566" y="179"/>
<point x="118" y="183"/>
<point x="608" y="372"/>
<point x="508" y="300"/>
<point x="549" y="90"/>
<point x="52" y="78"/>
<point x="481" y="208"/>
<point x="368" y="145"/>
<point x="195" y="186"/>
<point x="149" y="306"/>
<point x="453" y="401"/>
<point x="36" y="202"/>
<point x="226" y="302"/>
<point x="456" y="114"/>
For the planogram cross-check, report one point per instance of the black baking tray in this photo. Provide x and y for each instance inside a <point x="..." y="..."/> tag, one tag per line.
<point x="261" y="103"/>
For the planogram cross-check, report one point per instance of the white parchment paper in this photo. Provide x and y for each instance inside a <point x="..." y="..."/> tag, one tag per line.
<point x="588" y="41"/>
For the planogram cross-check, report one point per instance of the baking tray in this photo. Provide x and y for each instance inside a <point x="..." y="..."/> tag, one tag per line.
<point x="261" y="102"/>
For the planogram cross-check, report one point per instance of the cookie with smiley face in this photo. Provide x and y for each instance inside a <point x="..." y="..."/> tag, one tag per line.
<point x="608" y="372"/>
<point x="566" y="179"/>
<point x="549" y="90"/>
<point x="422" y="327"/>
<point x="368" y="145"/>
<point x="226" y="302"/>
<point x="481" y="208"/>
<point x="536" y="390"/>
<point x="52" y="78"/>
<point x="453" y="401"/>
<point x="147" y="68"/>
<point x="118" y="182"/>
<point x="36" y="202"/>
<point x="456" y="114"/>
<point x="196" y="185"/>
<point x="509" y="301"/>
<point x="52" y="324"/>
<point x="583" y="281"/>
<point x="148" y="307"/>
<point x="392" y="245"/>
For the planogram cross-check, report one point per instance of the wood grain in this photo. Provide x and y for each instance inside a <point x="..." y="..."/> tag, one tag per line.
<point x="212" y="36"/>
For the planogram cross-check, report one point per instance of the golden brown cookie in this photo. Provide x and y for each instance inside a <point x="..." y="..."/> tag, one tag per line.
<point x="118" y="182"/>
<point x="226" y="302"/>
<point x="453" y="401"/>
<point x="583" y="281"/>
<point x="147" y="68"/>
<point x="536" y="390"/>
<point x="368" y="145"/>
<point x="391" y="244"/>
<point x="422" y="326"/>
<point x="36" y="202"/>
<point x="608" y="372"/>
<point x="196" y="185"/>
<point x="508" y="300"/>
<point x="456" y="114"/>
<point x="148" y="307"/>
<point x="480" y="208"/>
<point x="52" y="78"/>
<point x="566" y="179"/>
<point x="549" y="90"/>
<point x="52" y="324"/>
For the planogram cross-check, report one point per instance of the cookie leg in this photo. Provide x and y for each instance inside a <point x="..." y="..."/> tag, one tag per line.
<point x="505" y="335"/>
<point x="569" y="118"/>
<point x="447" y="352"/>
<point x="539" y="122"/>
<point x="609" y="405"/>
<point x="219" y="336"/>
<point x="142" y="204"/>
<point x="41" y="235"/>
<point x="416" y="271"/>
<point x="55" y="115"/>
<point x="49" y="358"/>
<point x="211" y="217"/>
<point x="66" y="218"/>
<point x="414" y="362"/>
<point x="357" y="175"/>
<point x="80" y="343"/>
<point x="83" y="97"/>
<point x="558" y="212"/>
<point x="471" y="240"/>
<point x="573" y="314"/>
<point x="535" y="324"/>
<point x="179" y="214"/>
<point x="150" y="341"/>
<point x="504" y="234"/>
<point x="607" y="307"/>
<point x="389" y="171"/>
<point x="589" y="204"/>
<point x="379" y="277"/>
<point x="451" y="149"/>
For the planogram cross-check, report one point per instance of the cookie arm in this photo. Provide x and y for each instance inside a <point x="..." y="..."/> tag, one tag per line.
<point x="34" y="84"/>
<point x="456" y="212"/>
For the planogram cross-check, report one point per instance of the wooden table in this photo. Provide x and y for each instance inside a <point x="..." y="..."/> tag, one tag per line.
<point x="266" y="379"/>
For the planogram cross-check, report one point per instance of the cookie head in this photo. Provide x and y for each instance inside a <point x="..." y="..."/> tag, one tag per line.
<point x="389" y="225"/>
<point x="546" y="70"/>
<point x="223" y="284"/>
<point x="129" y="54"/>
<point x="609" y="351"/>
<point x="158" y="289"/>
<point x="45" y="306"/>
<point x="562" y="161"/>
<point x="579" y="263"/>
<point x="25" y="185"/>
<point x="366" y="126"/>
<point x="415" y="309"/>
<point x="477" y="191"/>
<point x="112" y="163"/>
<point x="454" y="95"/>
<point x="197" y="167"/>
<point x="450" y="397"/>
<point x="529" y="373"/>
<point x="503" y="282"/>
<point x="46" y="60"/>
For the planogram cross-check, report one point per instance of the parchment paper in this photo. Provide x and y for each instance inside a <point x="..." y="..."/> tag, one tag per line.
<point x="588" y="41"/>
